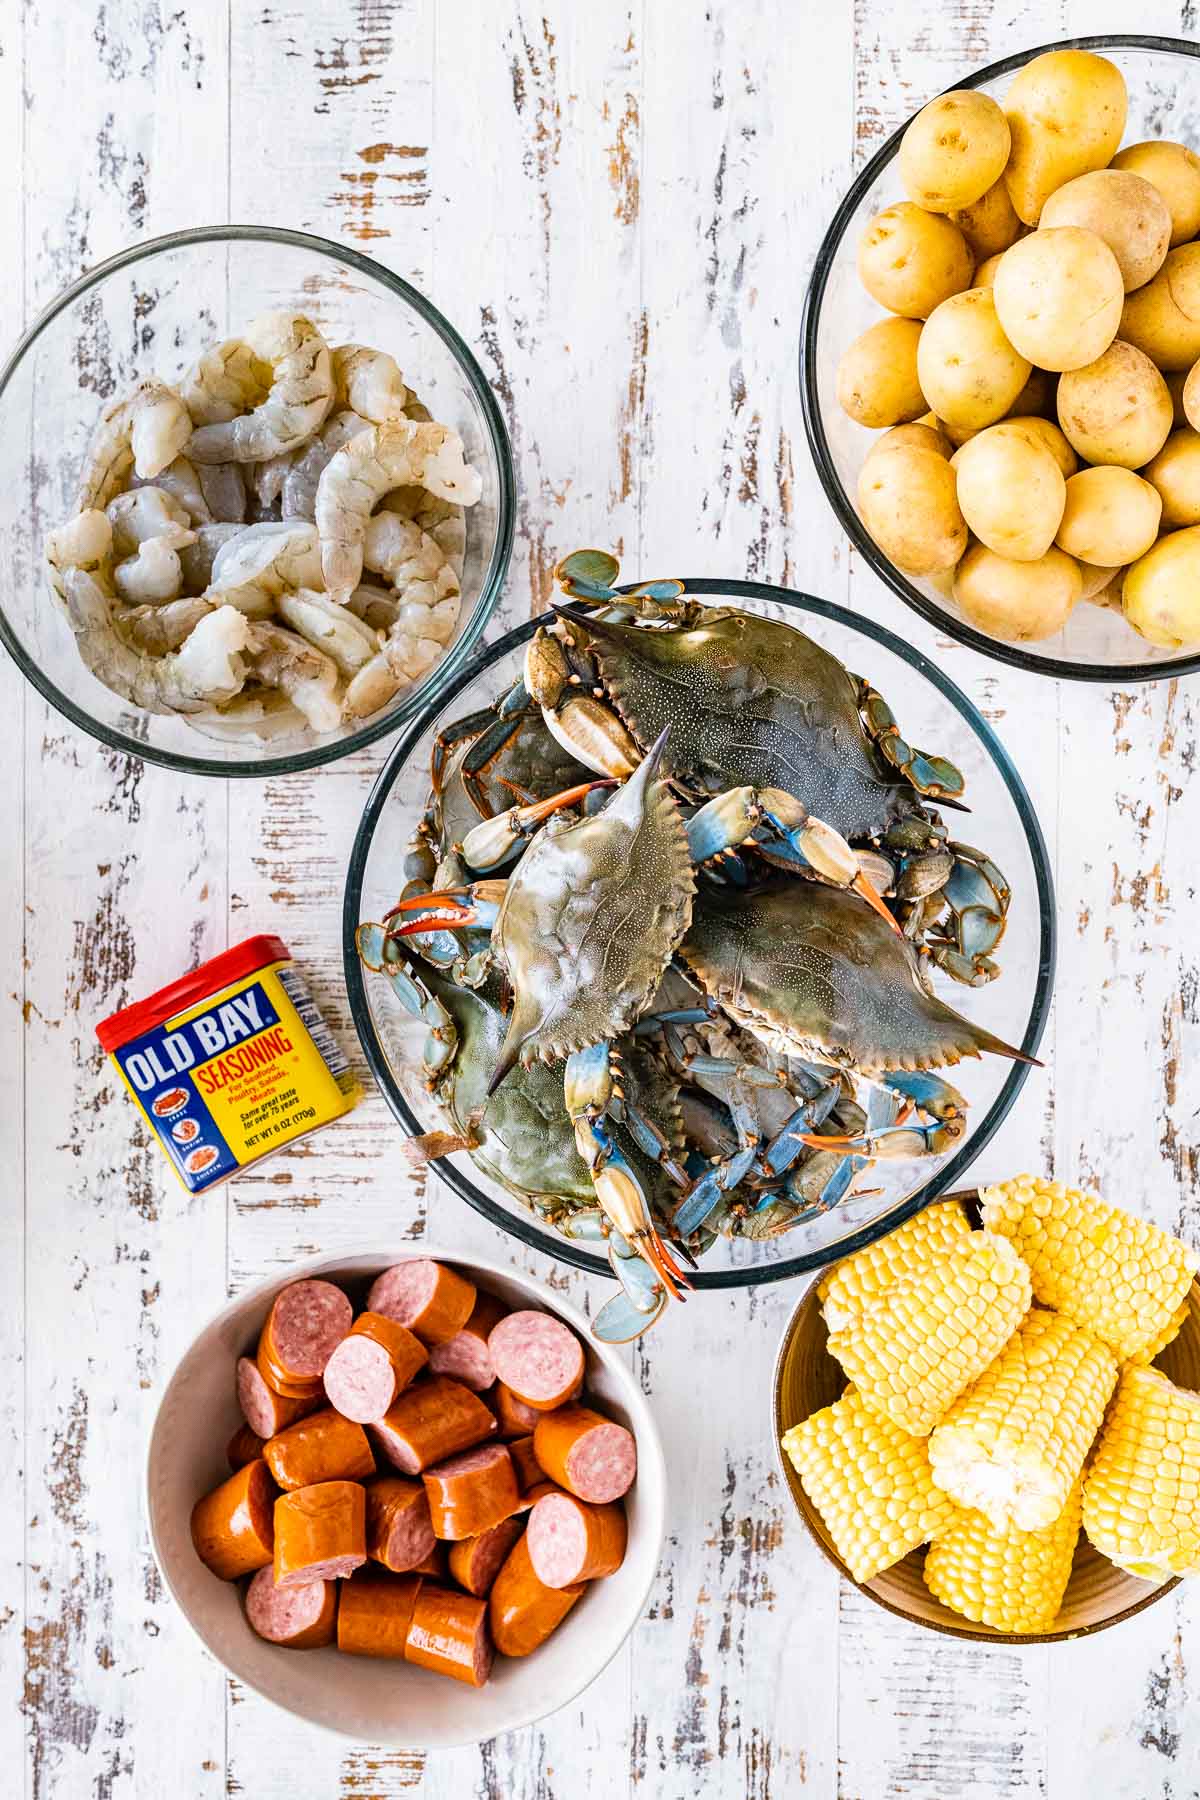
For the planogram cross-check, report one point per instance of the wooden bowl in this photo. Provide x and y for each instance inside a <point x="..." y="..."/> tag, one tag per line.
<point x="1098" y="1594"/>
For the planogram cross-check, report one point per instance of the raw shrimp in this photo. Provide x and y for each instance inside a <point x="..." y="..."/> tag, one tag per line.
<point x="442" y="520"/>
<point x="145" y="431"/>
<point x="197" y="559"/>
<point x="331" y="628"/>
<point x="253" y="569"/>
<point x="206" y="671"/>
<point x="299" y="494"/>
<point x="368" y="467"/>
<point x="84" y="542"/>
<point x="161" y="629"/>
<point x="181" y="480"/>
<point x="152" y="575"/>
<point x="403" y="659"/>
<point x="226" y="381"/>
<point x="299" y="399"/>
<point x="369" y="382"/>
<point x="262" y="715"/>
<point x="375" y="606"/>
<point x="282" y="660"/>
<point x="224" y="490"/>
<point x="144" y="513"/>
<point x="412" y="561"/>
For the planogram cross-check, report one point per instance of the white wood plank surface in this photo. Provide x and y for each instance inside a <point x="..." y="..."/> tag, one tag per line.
<point x="618" y="205"/>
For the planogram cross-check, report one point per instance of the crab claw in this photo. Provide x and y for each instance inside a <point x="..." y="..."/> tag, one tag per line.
<point x="494" y="840"/>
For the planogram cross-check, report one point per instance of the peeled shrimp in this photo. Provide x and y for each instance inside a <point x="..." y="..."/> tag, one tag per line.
<point x="145" y="513"/>
<point x="442" y="520"/>
<point x="224" y="490"/>
<point x="331" y="628"/>
<point x="412" y="561"/>
<point x="299" y="491"/>
<point x="197" y="559"/>
<point x="207" y="670"/>
<point x="282" y="660"/>
<point x="161" y="629"/>
<point x="145" y="431"/>
<point x="254" y="568"/>
<point x="226" y="381"/>
<point x="261" y="714"/>
<point x="181" y="481"/>
<point x="300" y="396"/>
<point x="368" y="467"/>
<point x="84" y="542"/>
<point x="402" y="660"/>
<point x="369" y="382"/>
<point x="152" y="575"/>
<point x="375" y="606"/>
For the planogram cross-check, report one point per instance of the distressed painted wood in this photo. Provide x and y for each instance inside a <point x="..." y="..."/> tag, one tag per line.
<point x="618" y="204"/>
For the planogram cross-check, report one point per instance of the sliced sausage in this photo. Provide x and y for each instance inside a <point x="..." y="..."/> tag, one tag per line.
<point x="430" y="1421"/>
<point x="435" y="1563"/>
<point x="399" y="1534"/>
<point x="245" y="1446"/>
<point x="307" y="1320"/>
<point x="265" y="1410"/>
<point x="371" y="1366"/>
<point x="472" y="1492"/>
<point x="587" y="1454"/>
<point x="571" y="1541"/>
<point x="308" y="1388"/>
<point x="375" y="1613"/>
<point x="523" y="1611"/>
<point x="320" y="1533"/>
<point x="322" y="1447"/>
<point x="475" y="1561"/>
<point x="529" y="1471"/>
<point x="430" y="1299"/>
<point x="232" y="1527"/>
<point x="449" y="1634"/>
<point x="466" y="1356"/>
<point x="538" y="1357"/>
<point x="302" y="1618"/>
<point x="515" y="1417"/>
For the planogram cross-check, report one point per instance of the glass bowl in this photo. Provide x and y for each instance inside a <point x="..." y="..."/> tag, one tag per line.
<point x="940" y="718"/>
<point x="152" y="309"/>
<point x="1096" y="644"/>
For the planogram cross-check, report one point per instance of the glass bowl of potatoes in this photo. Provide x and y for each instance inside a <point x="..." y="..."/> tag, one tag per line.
<point x="1000" y="360"/>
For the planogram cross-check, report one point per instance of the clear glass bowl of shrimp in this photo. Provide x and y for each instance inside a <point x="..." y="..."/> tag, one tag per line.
<point x="152" y="312"/>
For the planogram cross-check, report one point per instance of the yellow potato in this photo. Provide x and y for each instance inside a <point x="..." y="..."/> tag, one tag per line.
<point x="989" y="224"/>
<point x="1163" y="318"/>
<point x="1011" y="491"/>
<point x="910" y="260"/>
<point x="954" y="150"/>
<point x="967" y="369"/>
<point x="1111" y="517"/>
<point x="1058" y="297"/>
<point x="1042" y="431"/>
<point x="1017" y="601"/>
<point x="877" y="377"/>
<point x="1175" y="473"/>
<point x="1122" y="208"/>
<point x="1066" y="112"/>
<point x="925" y="435"/>
<point x="1161" y="593"/>
<point x="985" y="274"/>
<point x="1036" y="397"/>
<point x="1175" y="171"/>
<point x="1190" y="397"/>
<point x="1101" y="586"/>
<point x="906" y="496"/>
<point x="1117" y="409"/>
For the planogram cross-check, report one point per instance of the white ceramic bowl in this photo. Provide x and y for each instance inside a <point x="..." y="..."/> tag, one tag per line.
<point x="386" y="1702"/>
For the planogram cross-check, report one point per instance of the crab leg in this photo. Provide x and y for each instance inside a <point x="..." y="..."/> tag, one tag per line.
<point x="382" y="957"/>
<point x="493" y="841"/>
<point x="942" y="1105"/>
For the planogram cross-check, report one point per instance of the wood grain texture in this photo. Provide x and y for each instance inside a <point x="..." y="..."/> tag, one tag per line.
<point x="618" y="204"/>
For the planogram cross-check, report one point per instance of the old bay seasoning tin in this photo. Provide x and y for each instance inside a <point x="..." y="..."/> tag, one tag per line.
<point x="230" y="1062"/>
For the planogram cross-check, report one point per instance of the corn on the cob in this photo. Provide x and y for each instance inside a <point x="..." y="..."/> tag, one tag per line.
<point x="1011" y="1580"/>
<point x="1141" y="1497"/>
<point x="1122" y="1277"/>
<point x="902" y="1254"/>
<point x="1014" y="1444"/>
<point x="912" y="1351"/>
<point x="869" y="1481"/>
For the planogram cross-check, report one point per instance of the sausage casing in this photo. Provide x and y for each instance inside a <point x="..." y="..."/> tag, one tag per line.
<point x="449" y="1634"/>
<point x="430" y="1421"/>
<point x="522" y="1609"/>
<point x="375" y="1613"/>
<point x="300" y="1618"/>
<point x="572" y="1541"/>
<point x="433" y="1301"/>
<point x="476" y="1561"/>
<point x="399" y="1532"/>
<point x="324" y="1446"/>
<point x="587" y="1454"/>
<point x="374" y="1362"/>
<point x="320" y="1533"/>
<point x="232" y="1528"/>
<point x="472" y="1492"/>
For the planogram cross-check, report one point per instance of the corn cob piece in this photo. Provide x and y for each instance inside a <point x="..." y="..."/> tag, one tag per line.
<point x="1122" y="1277"/>
<point x="1141" y="1498"/>
<point x="1011" y="1580"/>
<point x="1013" y="1446"/>
<point x="912" y="1351"/>
<point x="869" y="1481"/>
<point x="902" y="1254"/>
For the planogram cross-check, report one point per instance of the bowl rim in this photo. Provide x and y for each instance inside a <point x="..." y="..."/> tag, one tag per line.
<point x="814" y="427"/>
<point x="968" y="1628"/>
<point x="428" y="691"/>
<point x="564" y="1249"/>
<point x="647" y="1436"/>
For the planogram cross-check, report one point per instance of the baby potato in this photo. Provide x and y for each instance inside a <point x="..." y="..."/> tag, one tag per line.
<point x="1175" y="474"/>
<point x="1058" y="296"/>
<point x="877" y="377"/>
<point x="985" y="274"/>
<point x="1011" y="491"/>
<point x="1163" y="318"/>
<point x="1175" y="171"/>
<point x="989" y="224"/>
<point x="954" y="150"/>
<point x="1161" y="593"/>
<point x="967" y="369"/>
<point x="1111" y="517"/>
<point x="1042" y="431"/>
<point x="1190" y="397"/>
<point x="1117" y="409"/>
<point x="925" y="436"/>
<point x="1095" y="580"/>
<point x="1017" y="601"/>
<point x="910" y="261"/>
<point x="906" y="496"/>
<point x="1066" y="112"/>
<point x="1122" y="208"/>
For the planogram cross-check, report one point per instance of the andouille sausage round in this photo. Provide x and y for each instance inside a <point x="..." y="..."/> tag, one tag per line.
<point x="449" y="1634"/>
<point x="324" y="1446"/>
<point x="375" y="1613"/>
<point x="572" y="1541"/>
<point x="309" y="1388"/>
<point x="513" y="1415"/>
<point x="320" y="1533"/>
<point x="300" y="1618"/>
<point x="466" y="1356"/>
<point x="476" y="1561"/>
<point x="538" y="1357"/>
<point x="523" y="1611"/>
<point x="265" y="1410"/>
<point x="435" y="1563"/>
<point x="471" y="1492"/>
<point x="233" y="1528"/>
<point x="587" y="1454"/>
<point x="245" y="1446"/>
<point x="307" y="1320"/>
<point x="399" y="1532"/>
<point x="372" y="1364"/>
<point x="433" y="1301"/>
<point x="430" y="1421"/>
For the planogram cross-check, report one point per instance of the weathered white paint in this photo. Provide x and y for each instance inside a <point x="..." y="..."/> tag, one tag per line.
<point x="618" y="205"/>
